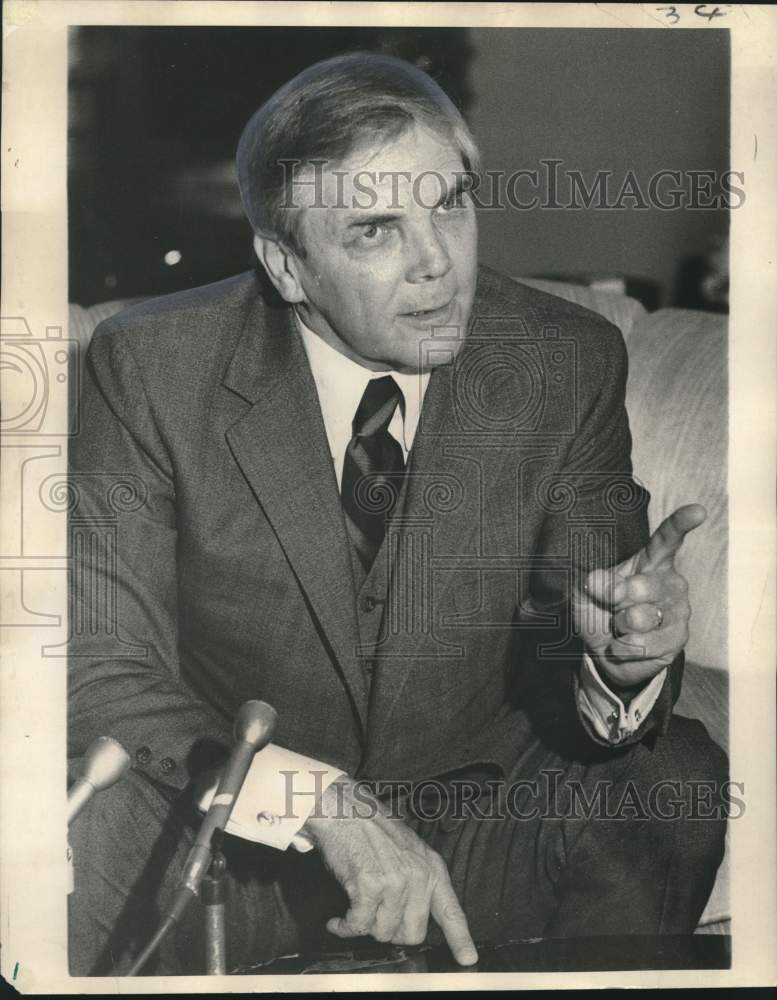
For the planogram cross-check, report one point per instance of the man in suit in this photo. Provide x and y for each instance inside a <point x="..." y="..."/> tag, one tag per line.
<point x="390" y="493"/>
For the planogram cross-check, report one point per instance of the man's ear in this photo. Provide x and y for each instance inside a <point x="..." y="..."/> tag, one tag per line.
<point x="282" y="268"/>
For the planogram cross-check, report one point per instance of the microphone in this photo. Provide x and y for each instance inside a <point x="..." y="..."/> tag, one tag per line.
<point x="253" y="729"/>
<point x="105" y="762"/>
<point x="254" y="725"/>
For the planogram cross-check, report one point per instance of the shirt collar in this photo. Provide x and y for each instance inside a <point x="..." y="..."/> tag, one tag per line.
<point x="341" y="382"/>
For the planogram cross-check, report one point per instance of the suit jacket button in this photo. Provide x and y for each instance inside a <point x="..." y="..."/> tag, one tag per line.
<point x="369" y="603"/>
<point x="143" y="755"/>
<point x="167" y="765"/>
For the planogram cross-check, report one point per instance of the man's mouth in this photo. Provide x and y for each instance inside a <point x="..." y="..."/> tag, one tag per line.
<point x="433" y="312"/>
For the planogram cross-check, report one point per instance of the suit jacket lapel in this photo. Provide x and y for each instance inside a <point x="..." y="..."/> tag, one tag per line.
<point x="281" y="446"/>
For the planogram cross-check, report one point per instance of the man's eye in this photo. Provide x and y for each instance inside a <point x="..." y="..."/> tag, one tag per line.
<point x="375" y="232"/>
<point x="453" y="201"/>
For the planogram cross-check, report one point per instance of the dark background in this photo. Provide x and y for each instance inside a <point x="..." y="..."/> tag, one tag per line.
<point x="156" y="113"/>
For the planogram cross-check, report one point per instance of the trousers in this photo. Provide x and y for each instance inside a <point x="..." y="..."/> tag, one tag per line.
<point x="571" y="843"/>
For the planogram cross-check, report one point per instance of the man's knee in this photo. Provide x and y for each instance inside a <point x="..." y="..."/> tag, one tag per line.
<point x="683" y="785"/>
<point x="686" y="756"/>
<point x="645" y="860"/>
<point x="130" y="815"/>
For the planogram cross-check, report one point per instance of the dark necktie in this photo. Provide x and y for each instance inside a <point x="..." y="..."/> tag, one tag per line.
<point x="373" y="468"/>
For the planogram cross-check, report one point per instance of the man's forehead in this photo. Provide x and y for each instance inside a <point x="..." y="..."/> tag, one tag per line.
<point x="384" y="171"/>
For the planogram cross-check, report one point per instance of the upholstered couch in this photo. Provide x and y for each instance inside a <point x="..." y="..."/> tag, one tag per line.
<point x="677" y="403"/>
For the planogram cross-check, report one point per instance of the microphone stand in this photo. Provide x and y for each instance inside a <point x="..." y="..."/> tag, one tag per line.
<point x="214" y="895"/>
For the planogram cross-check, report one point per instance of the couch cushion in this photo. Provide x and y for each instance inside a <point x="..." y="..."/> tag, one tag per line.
<point x="619" y="309"/>
<point x="83" y="319"/>
<point x="677" y="403"/>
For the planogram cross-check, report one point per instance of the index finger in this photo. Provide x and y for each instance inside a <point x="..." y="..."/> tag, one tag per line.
<point x="669" y="535"/>
<point x="447" y="911"/>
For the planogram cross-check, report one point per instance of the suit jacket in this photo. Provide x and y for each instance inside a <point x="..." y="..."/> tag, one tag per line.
<point x="211" y="562"/>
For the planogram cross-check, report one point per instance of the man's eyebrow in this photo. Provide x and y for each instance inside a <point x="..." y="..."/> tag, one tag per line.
<point x="373" y="219"/>
<point x="462" y="183"/>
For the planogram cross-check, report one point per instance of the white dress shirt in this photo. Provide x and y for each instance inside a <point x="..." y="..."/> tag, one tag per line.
<point x="341" y="382"/>
<point x="262" y="811"/>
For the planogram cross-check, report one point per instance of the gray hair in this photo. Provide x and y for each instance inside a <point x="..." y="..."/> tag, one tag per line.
<point x="327" y="112"/>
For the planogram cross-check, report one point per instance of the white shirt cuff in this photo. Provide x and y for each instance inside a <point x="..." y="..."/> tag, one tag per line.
<point x="279" y="793"/>
<point x="610" y="718"/>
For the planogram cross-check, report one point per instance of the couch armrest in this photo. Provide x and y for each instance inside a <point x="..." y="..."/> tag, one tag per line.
<point x="678" y="412"/>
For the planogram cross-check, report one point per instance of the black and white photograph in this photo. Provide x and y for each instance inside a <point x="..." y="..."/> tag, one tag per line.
<point x="388" y="446"/>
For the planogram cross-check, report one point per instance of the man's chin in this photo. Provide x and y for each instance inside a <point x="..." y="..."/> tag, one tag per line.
<point x="436" y="343"/>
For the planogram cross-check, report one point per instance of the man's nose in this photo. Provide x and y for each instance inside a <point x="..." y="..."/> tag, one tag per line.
<point x="430" y="258"/>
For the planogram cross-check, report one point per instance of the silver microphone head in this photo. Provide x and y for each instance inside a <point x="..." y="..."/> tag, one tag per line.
<point x="105" y="761"/>
<point x="255" y="723"/>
